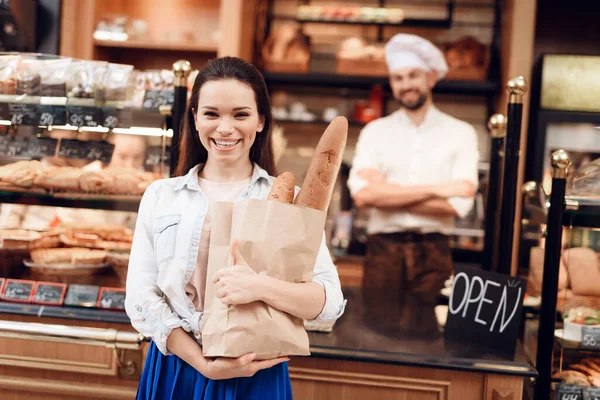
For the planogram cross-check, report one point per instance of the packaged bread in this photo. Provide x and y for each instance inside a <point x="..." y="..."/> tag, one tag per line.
<point x="283" y="188"/>
<point x="319" y="183"/>
<point x="61" y="178"/>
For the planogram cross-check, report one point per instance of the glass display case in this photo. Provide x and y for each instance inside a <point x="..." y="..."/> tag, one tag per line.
<point x="572" y="281"/>
<point x="79" y="143"/>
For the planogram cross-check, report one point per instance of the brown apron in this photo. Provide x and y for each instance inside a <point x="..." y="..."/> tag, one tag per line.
<point x="405" y="264"/>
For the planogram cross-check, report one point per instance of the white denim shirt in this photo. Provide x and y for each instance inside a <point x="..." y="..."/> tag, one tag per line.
<point x="440" y="149"/>
<point x="165" y="251"/>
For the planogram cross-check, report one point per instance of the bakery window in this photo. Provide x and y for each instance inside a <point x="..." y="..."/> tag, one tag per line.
<point x="80" y="141"/>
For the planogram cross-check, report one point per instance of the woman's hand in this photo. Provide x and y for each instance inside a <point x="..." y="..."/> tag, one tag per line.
<point x="245" y="366"/>
<point x="237" y="284"/>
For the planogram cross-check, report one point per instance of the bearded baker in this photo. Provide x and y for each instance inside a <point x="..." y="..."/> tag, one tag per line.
<point x="416" y="170"/>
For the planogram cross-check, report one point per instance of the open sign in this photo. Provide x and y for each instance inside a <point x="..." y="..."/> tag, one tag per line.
<point x="485" y="308"/>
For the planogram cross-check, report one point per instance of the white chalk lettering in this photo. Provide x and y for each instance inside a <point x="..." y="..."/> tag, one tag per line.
<point x="504" y="323"/>
<point x="470" y="299"/>
<point x="464" y="299"/>
<point x="484" y="300"/>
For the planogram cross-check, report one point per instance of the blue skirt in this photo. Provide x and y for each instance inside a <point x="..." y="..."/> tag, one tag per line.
<point x="170" y="378"/>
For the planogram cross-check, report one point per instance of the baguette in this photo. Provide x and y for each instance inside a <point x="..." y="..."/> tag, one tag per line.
<point x="283" y="188"/>
<point x="319" y="183"/>
<point x="590" y="363"/>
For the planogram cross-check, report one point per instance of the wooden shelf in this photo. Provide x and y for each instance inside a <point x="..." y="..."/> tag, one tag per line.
<point x="474" y="88"/>
<point x="206" y="46"/>
<point x="72" y="200"/>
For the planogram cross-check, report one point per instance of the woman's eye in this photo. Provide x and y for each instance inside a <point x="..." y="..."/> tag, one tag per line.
<point x="241" y="115"/>
<point x="210" y="114"/>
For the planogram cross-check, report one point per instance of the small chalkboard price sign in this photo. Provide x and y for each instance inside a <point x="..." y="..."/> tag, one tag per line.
<point x="590" y="338"/>
<point x="87" y="150"/>
<point x="153" y="99"/>
<point x="83" y="116"/>
<point x="18" y="290"/>
<point x="112" y="298"/>
<point x="82" y="296"/>
<point x="24" y="114"/>
<point x="591" y="393"/>
<point x="49" y="293"/>
<point x="568" y="392"/>
<point x="154" y="156"/>
<point x="28" y="147"/>
<point x="52" y="115"/>
<point x="486" y="308"/>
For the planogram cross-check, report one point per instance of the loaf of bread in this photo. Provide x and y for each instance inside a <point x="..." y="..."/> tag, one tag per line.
<point x="283" y="188"/>
<point x="324" y="167"/>
<point x="17" y="238"/>
<point x="21" y="173"/>
<point x="68" y="256"/>
<point x="62" y="178"/>
<point x="93" y="181"/>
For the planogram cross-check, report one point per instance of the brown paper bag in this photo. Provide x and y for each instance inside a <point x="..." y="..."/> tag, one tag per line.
<point x="278" y="239"/>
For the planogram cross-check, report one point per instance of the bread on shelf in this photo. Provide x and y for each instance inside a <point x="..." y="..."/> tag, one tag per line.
<point x="71" y="256"/>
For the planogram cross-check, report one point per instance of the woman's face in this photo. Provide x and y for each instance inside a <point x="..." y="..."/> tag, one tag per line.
<point x="227" y="120"/>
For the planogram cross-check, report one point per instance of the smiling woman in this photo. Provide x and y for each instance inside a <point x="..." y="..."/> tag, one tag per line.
<point x="226" y="155"/>
<point x="229" y="111"/>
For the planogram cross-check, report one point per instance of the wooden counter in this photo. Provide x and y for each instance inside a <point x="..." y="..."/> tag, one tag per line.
<point x="402" y="355"/>
<point x="46" y="367"/>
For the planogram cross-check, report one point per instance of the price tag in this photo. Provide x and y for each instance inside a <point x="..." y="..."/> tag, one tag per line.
<point x="153" y="99"/>
<point x="88" y="150"/>
<point x="154" y="156"/>
<point x="82" y="295"/>
<point x="49" y="293"/>
<point x="591" y="393"/>
<point x="590" y="337"/>
<point x="18" y="290"/>
<point x="112" y="298"/>
<point x="568" y="392"/>
<point x="52" y="115"/>
<point x="83" y="116"/>
<point x="24" y="114"/>
<point x="110" y="117"/>
<point x="29" y="147"/>
<point x="2" y="280"/>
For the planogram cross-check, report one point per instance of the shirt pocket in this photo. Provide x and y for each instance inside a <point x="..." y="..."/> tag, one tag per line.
<point x="164" y="231"/>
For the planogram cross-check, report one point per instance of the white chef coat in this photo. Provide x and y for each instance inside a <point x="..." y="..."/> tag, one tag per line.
<point x="440" y="149"/>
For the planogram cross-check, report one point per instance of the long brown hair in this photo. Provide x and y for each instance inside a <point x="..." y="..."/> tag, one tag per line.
<point x="191" y="151"/>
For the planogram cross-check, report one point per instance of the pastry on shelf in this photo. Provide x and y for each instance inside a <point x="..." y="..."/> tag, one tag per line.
<point x="356" y="57"/>
<point x="47" y="240"/>
<point x="59" y="178"/>
<point x="17" y="238"/>
<point x="20" y="173"/>
<point x="584" y="373"/>
<point x="71" y="256"/>
<point x="467" y="59"/>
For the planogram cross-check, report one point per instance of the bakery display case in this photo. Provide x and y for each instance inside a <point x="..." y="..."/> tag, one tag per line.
<point x="80" y="141"/>
<point x="568" y="350"/>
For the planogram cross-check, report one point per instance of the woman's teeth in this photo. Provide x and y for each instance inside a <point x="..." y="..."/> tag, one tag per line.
<point x="226" y="144"/>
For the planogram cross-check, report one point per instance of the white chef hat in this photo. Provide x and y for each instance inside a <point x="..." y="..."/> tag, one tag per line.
<point x="404" y="50"/>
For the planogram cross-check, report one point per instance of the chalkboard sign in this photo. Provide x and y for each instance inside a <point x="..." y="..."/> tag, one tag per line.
<point x="568" y="392"/>
<point x="83" y="116"/>
<point x="18" y="290"/>
<point x="88" y="150"/>
<point x="591" y="393"/>
<point x="52" y="115"/>
<point x="82" y="295"/>
<point x="49" y="293"/>
<point x="29" y="147"/>
<point x="154" y="156"/>
<point x="590" y="337"/>
<point x="110" y="117"/>
<point x="24" y="114"/>
<point x="153" y="99"/>
<point x="112" y="298"/>
<point x="485" y="307"/>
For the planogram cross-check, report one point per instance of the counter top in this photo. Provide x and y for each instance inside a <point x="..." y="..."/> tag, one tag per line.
<point x="408" y="335"/>
<point x="84" y="314"/>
